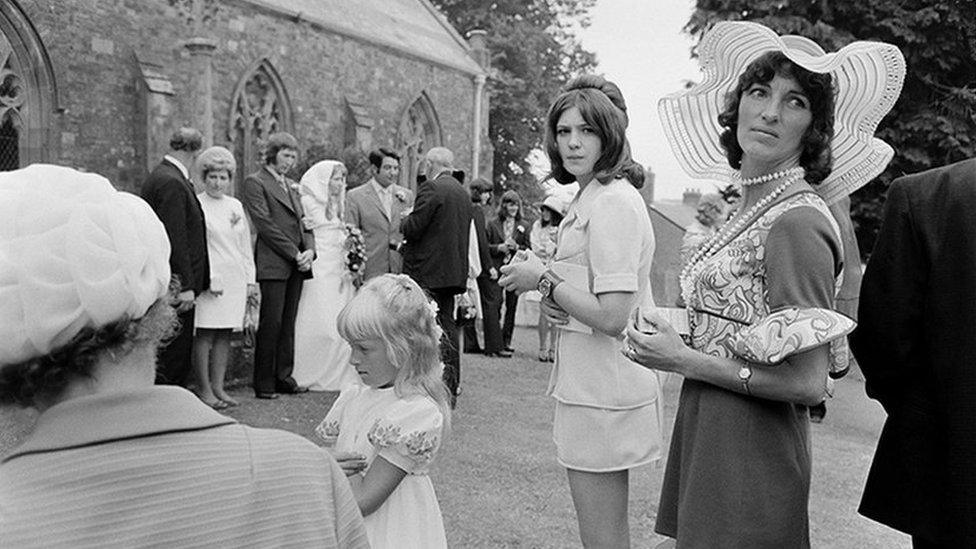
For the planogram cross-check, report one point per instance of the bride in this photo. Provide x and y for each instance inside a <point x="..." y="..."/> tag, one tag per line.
<point x="321" y="356"/>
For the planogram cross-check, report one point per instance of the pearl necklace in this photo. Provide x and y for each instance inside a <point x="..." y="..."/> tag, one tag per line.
<point x="768" y="177"/>
<point x="693" y="268"/>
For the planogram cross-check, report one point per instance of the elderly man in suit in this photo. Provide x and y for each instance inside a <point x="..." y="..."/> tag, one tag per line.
<point x="283" y="258"/>
<point x="169" y="192"/>
<point x="377" y="207"/>
<point x="436" y="250"/>
<point x="916" y="344"/>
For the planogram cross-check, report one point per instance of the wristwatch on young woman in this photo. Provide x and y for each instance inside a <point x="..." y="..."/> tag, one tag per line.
<point x="547" y="283"/>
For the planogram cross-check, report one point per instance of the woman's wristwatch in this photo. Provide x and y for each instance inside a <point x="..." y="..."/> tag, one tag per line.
<point x="547" y="283"/>
<point x="745" y="374"/>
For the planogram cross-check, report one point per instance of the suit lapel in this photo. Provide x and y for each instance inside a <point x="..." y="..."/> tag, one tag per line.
<point x="276" y="191"/>
<point x="375" y="197"/>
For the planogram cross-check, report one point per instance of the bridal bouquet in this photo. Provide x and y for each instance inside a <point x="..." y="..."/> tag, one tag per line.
<point x="355" y="250"/>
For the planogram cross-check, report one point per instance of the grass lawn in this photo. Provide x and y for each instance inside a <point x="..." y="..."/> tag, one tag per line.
<point x="499" y="484"/>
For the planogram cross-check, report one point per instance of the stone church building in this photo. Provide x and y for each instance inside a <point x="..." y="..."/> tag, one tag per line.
<point x="100" y="84"/>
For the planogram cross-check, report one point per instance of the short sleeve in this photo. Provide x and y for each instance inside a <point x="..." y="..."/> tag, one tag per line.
<point x="329" y="428"/>
<point x="803" y="258"/>
<point x="410" y="435"/>
<point x="615" y="237"/>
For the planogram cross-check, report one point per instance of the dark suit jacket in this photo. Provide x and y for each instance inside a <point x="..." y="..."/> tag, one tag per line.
<point x="480" y="230"/>
<point x="277" y="221"/>
<point x="496" y="237"/>
<point x="916" y="344"/>
<point x="171" y="196"/>
<point x="436" y="234"/>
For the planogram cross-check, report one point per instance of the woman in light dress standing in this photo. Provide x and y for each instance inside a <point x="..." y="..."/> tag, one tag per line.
<point x="220" y="310"/>
<point x="321" y="356"/>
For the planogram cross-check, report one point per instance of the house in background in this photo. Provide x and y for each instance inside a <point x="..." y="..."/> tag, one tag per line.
<point x="100" y="85"/>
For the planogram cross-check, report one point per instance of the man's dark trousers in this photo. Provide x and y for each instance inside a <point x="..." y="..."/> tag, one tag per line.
<point x="274" y="350"/>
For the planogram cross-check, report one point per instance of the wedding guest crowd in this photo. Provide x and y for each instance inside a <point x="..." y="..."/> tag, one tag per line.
<point x="359" y="293"/>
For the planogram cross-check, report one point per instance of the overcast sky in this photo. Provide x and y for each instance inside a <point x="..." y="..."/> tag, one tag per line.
<point x="640" y="46"/>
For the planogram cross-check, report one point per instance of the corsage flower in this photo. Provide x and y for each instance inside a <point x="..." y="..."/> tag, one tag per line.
<point x="400" y="195"/>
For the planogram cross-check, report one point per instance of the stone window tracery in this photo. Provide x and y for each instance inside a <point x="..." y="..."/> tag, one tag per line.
<point x="419" y="131"/>
<point x="259" y="109"/>
<point x="12" y="98"/>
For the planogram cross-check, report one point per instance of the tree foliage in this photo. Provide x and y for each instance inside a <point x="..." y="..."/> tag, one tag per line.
<point x="534" y="52"/>
<point x="934" y="121"/>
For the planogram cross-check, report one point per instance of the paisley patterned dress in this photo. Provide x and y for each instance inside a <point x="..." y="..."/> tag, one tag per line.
<point x="738" y="471"/>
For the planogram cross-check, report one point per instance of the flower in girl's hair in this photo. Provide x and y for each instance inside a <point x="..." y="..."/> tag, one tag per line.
<point x="433" y="308"/>
<point x="355" y="250"/>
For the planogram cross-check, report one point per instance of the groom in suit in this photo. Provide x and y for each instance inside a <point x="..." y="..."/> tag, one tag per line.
<point x="283" y="257"/>
<point x="170" y="193"/>
<point x="377" y="207"/>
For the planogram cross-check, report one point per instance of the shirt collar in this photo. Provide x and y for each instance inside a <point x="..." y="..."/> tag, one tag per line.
<point x="379" y="188"/>
<point x="95" y="419"/>
<point x="179" y="165"/>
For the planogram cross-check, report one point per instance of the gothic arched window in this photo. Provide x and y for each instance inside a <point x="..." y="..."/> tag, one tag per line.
<point x="28" y="92"/>
<point x="260" y="108"/>
<point x="419" y="131"/>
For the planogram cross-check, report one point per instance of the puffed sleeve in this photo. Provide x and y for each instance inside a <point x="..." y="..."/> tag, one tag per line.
<point x="331" y="425"/>
<point x="410" y="435"/>
<point x="614" y="239"/>
<point x="803" y="258"/>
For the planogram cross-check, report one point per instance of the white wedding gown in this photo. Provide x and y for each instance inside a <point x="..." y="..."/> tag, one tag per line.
<point x="321" y="356"/>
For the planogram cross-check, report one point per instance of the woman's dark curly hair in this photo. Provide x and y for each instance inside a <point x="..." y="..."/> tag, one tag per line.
<point x="815" y="157"/>
<point x="602" y="106"/>
<point x="43" y="379"/>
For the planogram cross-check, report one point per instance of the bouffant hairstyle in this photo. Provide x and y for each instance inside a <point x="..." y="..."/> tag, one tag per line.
<point x="216" y="159"/>
<point x="555" y="218"/>
<point x="186" y="139"/>
<point x="276" y="142"/>
<point x="376" y="156"/>
<point x="815" y="156"/>
<point x="42" y="380"/>
<point x="602" y="106"/>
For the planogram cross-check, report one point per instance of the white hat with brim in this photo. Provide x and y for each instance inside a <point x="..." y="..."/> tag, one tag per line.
<point x="867" y="76"/>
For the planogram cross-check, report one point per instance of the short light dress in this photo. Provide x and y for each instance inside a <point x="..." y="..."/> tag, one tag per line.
<point x="738" y="472"/>
<point x="406" y="432"/>
<point x="608" y="413"/>
<point x="231" y="263"/>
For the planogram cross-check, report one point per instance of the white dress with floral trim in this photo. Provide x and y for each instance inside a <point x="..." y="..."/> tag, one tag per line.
<point x="407" y="433"/>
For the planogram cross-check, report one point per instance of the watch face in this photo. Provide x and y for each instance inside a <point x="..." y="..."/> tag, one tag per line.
<point x="545" y="286"/>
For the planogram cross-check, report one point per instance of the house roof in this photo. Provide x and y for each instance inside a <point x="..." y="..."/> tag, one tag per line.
<point x="675" y="211"/>
<point x="412" y="27"/>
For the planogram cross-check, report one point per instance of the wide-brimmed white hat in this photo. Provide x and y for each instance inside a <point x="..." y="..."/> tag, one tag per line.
<point x="867" y="77"/>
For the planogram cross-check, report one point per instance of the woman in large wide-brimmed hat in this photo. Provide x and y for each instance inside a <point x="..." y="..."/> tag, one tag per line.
<point x="794" y="126"/>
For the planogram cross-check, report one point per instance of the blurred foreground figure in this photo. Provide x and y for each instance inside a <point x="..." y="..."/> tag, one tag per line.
<point x="114" y="460"/>
<point x="916" y="346"/>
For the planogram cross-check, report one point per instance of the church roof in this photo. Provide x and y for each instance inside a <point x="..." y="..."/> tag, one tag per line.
<point x="413" y="27"/>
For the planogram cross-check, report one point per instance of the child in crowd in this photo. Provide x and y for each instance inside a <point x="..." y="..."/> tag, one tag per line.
<point x="385" y="434"/>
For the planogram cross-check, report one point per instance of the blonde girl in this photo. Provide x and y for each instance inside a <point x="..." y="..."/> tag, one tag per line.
<point x="386" y="433"/>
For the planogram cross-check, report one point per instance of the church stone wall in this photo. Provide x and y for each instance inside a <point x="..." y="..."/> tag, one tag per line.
<point x="96" y="47"/>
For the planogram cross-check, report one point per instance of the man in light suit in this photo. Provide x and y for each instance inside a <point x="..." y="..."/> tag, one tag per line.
<point x="377" y="207"/>
<point x="283" y="258"/>
<point x="436" y="250"/>
<point x="170" y="193"/>
<point x="916" y="345"/>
